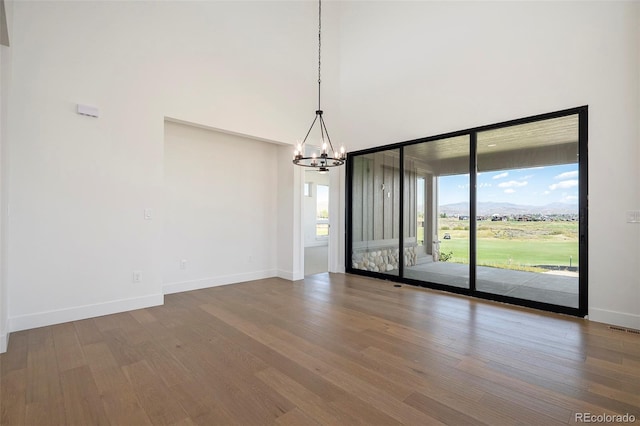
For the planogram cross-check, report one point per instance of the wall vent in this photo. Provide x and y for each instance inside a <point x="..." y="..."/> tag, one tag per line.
<point x="627" y="330"/>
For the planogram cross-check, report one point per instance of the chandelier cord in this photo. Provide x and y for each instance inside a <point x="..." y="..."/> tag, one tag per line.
<point x="319" y="48"/>
<point x="328" y="157"/>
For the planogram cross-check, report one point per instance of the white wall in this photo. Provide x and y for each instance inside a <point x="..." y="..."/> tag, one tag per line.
<point x="337" y="210"/>
<point x="80" y="185"/>
<point x="635" y="205"/>
<point x="415" y="69"/>
<point x="218" y="214"/>
<point x="289" y="219"/>
<point x="5" y="77"/>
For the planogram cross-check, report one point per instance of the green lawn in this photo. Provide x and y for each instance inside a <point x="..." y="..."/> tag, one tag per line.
<point x="512" y="244"/>
<point x="516" y="253"/>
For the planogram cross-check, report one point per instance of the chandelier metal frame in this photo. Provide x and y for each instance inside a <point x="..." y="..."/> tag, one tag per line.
<point x="328" y="156"/>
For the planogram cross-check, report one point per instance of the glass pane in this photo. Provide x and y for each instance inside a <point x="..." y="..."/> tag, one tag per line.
<point x="375" y="212"/>
<point x="322" y="230"/>
<point x="527" y="203"/>
<point x="436" y="211"/>
<point x="322" y="202"/>
<point x="322" y="211"/>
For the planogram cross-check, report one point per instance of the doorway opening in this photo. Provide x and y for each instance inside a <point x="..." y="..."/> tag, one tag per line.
<point x="316" y="222"/>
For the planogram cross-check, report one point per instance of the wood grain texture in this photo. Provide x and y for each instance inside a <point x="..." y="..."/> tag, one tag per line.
<point x="327" y="350"/>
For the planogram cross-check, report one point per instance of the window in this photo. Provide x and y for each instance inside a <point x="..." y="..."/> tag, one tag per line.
<point x="322" y="211"/>
<point x="375" y="235"/>
<point x="437" y="174"/>
<point x="497" y="212"/>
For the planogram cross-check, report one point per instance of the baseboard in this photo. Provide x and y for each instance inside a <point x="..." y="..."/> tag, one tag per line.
<point x="621" y="319"/>
<point x="290" y="275"/>
<point x="41" y="319"/>
<point x="4" y="342"/>
<point x="179" y="287"/>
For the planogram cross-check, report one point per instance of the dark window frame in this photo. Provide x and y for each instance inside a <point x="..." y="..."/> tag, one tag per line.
<point x="583" y="136"/>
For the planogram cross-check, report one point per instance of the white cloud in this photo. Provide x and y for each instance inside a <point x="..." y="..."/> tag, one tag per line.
<point x="567" y="175"/>
<point x="501" y="175"/>
<point x="570" y="198"/>
<point x="512" y="184"/>
<point x="484" y="185"/>
<point x="546" y="193"/>
<point x="509" y="191"/>
<point x="564" y="184"/>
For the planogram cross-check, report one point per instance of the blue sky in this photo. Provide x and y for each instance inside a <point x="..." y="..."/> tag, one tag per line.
<point x="535" y="186"/>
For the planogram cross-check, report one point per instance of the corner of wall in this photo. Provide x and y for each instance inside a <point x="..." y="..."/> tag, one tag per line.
<point x="290" y="275"/>
<point x="5" y="74"/>
<point x="4" y="342"/>
<point x="290" y="227"/>
<point x="4" y="27"/>
<point x="337" y="206"/>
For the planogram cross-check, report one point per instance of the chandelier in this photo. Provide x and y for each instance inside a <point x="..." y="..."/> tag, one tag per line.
<point x="327" y="157"/>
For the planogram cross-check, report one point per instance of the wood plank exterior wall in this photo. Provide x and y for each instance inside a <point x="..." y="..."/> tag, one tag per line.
<point x="376" y="198"/>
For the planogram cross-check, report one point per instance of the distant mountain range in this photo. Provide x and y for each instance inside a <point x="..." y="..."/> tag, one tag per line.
<point x="489" y="208"/>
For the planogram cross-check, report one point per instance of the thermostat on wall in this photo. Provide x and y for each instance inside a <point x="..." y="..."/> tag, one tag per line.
<point x="88" y="110"/>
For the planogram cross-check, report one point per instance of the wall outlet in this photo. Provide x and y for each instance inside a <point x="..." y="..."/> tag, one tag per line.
<point x="137" y="276"/>
<point x="183" y="264"/>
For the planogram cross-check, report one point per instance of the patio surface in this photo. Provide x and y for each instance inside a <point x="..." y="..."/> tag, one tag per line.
<point x="550" y="287"/>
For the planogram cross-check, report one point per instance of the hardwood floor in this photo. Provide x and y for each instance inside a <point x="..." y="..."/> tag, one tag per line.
<point x="332" y="349"/>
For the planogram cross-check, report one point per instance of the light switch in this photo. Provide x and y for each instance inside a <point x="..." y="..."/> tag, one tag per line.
<point x="148" y="214"/>
<point x="87" y="110"/>
<point x="633" y="216"/>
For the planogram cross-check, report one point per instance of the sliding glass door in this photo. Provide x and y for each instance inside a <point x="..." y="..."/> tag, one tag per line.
<point x="528" y="236"/>
<point x="498" y="212"/>
<point x="375" y="213"/>
<point x="436" y="213"/>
